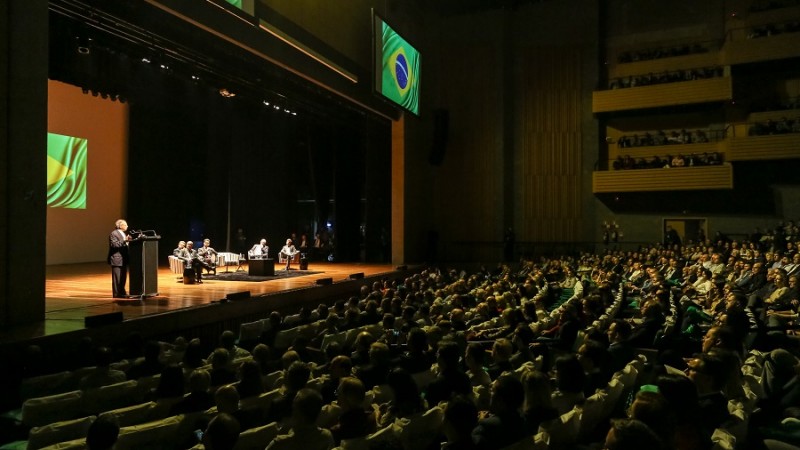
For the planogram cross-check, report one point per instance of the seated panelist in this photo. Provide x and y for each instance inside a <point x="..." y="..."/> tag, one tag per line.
<point x="208" y="256"/>
<point x="189" y="255"/>
<point x="260" y="250"/>
<point x="288" y="251"/>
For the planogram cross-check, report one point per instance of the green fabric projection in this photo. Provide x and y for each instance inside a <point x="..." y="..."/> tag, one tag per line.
<point x="66" y="171"/>
<point x="400" y="67"/>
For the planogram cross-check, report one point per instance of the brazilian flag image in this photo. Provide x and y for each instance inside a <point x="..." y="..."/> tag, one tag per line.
<point x="66" y="171"/>
<point x="400" y="67"/>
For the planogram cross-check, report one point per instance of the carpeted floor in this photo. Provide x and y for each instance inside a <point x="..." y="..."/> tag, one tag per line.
<point x="243" y="276"/>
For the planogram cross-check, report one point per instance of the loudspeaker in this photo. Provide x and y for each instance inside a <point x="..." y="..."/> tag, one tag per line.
<point x="238" y="295"/>
<point x="357" y="276"/>
<point x="441" y="131"/>
<point x="402" y="268"/>
<point x="303" y="264"/>
<point x="324" y="281"/>
<point x="102" y="319"/>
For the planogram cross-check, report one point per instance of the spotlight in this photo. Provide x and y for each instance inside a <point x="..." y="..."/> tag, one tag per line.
<point x="84" y="45"/>
<point x="195" y="78"/>
<point x="146" y="60"/>
<point x="266" y="103"/>
<point x="294" y="113"/>
<point x="226" y="93"/>
<point x="164" y="66"/>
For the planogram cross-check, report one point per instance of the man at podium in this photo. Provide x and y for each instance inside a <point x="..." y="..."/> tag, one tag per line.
<point x="119" y="258"/>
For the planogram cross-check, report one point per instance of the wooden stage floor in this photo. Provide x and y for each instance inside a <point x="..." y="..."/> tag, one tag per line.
<point x="75" y="291"/>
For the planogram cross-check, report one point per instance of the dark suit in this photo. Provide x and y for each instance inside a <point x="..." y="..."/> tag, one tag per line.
<point x="118" y="258"/>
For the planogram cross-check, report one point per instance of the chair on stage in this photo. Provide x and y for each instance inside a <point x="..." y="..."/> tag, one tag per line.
<point x="229" y="259"/>
<point x="295" y="258"/>
<point x="176" y="266"/>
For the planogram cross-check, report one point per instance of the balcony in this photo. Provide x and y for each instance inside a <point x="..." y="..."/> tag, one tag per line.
<point x="669" y="94"/>
<point x="673" y="179"/>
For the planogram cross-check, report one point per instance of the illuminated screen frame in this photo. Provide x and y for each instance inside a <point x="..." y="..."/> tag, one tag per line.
<point x="396" y="66"/>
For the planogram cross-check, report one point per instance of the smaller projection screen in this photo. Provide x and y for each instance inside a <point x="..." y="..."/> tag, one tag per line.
<point x="396" y="66"/>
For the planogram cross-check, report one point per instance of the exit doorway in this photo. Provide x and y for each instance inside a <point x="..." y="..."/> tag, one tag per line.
<point x="689" y="229"/>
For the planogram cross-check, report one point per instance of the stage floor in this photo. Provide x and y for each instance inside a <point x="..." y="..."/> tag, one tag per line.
<point x="75" y="291"/>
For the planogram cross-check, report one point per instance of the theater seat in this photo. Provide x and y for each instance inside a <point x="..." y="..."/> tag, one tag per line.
<point x="41" y="411"/>
<point x="257" y="438"/>
<point x="54" y="433"/>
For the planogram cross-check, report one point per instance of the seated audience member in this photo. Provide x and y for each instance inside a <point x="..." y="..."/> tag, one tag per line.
<point x="295" y="378"/>
<point x="619" y="347"/>
<point x="406" y="399"/>
<point x="502" y="351"/>
<point x="681" y="396"/>
<point x="227" y="340"/>
<point x="595" y="360"/>
<point x="250" y="382"/>
<point x="340" y="367"/>
<point x="707" y="372"/>
<point x="221" y="372"/>
<point x="354" y="420"/>
<point x="451" y="380"/>
<point x="222" y="432"/>
<point x="103" y="433"/>
<point x="538" y="406"/>
<point x="629" y="434"/>
<point x="417" y="357"/>
<point x="103" y="374"/>
<point x="505" y="425"/>
<point x="227" y="400"/>
<point x="150" y="365"/>
<point x="262" y="355"/>
<point x="375" y="372"/>
<point x="199" y="397"/>
<point x="651" y="408"/>
<point x="304" y="433"/>
<point x="208" y="256"/>
<point x="260" y="250"/>
<point x="644" y="334"/>
<point x="192" y="357"/>
<point x="570" y="381"/>
<point x="171" y="383"/>
<point x="460" y="418"/>
<point x="474" y="359"/>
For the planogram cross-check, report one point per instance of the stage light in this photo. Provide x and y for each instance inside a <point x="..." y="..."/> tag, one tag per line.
<point x="195" y="78"/>
<point x="84" y="45"/>
<point x="164" y="66"/>
<point x="146" y="60"/>
<point x="266" y="103"/>
<point x="226" y="93"/>
<point x="294" y="113"/>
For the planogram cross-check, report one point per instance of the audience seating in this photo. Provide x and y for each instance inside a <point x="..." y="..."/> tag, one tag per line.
<point x="160" y="434"/>
<point x="56" y="432"/>
<point x="257" y="438"/>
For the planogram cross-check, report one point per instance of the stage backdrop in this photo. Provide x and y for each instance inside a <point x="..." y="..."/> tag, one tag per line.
<point x="87" y="173"/>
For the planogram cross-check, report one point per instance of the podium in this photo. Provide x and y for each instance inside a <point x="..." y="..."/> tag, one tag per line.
<point x="261" y="267"/>
<point x="144" y="266"/>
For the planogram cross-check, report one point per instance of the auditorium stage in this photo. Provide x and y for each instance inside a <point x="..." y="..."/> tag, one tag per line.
<point x="76" y="291"/>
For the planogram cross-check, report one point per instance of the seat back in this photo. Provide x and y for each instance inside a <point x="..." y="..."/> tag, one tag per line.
<point x="176" y="265"/>
<point x="44" y="385"/>
<point x="76" y="444"/>
<point x="419" y="431"/>
<point x="257" y="438"/>
<point x="563" y="430"/>
<point x="160" y="434"/>
<point x="59" y="432"/>
<point x="112" y="396"/>
<point x="133" y="415"/>
<point x="592" y="412"/>
<point x="53" y="408"/>
<point x="261" y="401"/>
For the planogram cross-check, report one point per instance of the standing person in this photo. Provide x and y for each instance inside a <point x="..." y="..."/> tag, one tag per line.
<point x="118" y="258"/>
<point x="288" y="251"/>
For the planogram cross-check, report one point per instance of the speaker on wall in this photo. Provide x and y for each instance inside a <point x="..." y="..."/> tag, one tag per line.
<point x="441" y="130"/>
<point x="102" y="319"/>
<point x="238" y="295"/>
